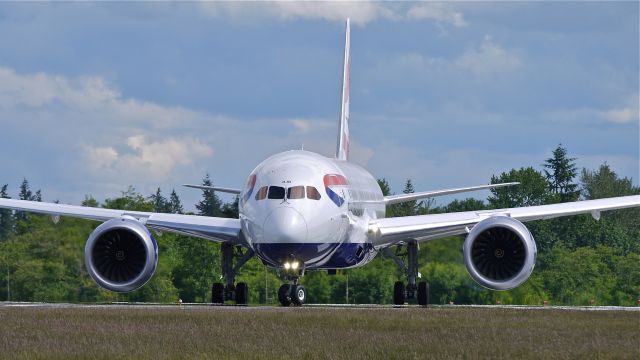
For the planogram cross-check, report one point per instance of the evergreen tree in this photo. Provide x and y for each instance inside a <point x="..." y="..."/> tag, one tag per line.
<point x="25" y="194"/>
<point x="210" y="205"/>
<point x="6" y="220"/>
<point x="384" y="187"/>
<point x="407" y="208"/>
<point x="231" y="210"/>
<point x="175" y="206"/>
<point x="560" y="174"/>
<point x="160" y="203"/>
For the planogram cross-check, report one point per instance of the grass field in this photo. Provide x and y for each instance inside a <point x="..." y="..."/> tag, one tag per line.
<point x="316" y="333"/>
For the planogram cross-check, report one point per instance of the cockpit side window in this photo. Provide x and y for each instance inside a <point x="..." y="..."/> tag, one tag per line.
<point x="262" y="193"/>
<point x="276" y="192"/>
<point x="295" y="192"/>
<point x="312" y="193"/>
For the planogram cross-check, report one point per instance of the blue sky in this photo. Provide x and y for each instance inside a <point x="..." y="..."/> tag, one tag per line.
<point x="95" y="97"/>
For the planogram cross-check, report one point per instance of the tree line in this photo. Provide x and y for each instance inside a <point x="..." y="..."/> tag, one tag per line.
<point x="580" y="261"/>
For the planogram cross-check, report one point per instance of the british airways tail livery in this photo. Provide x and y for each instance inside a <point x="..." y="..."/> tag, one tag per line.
<point x="300" y="211"/>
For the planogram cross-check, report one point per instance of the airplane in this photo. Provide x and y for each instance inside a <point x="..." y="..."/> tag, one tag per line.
<point x="300" y="211"/>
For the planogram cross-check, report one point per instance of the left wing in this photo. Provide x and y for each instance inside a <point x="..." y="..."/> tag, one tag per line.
<point x="394" y="199"/>
<point x="390" y="231"/>
<point x="210" y="228"/>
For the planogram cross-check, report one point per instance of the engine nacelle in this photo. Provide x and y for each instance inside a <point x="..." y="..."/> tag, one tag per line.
<point x="121" y="255"/>
<point x="500" y="253"/>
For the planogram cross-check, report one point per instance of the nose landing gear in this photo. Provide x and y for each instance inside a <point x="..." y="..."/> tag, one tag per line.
<point x="292" y="294"/>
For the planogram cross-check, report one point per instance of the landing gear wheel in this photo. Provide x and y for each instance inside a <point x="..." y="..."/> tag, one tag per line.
<point x="242" y="293"/>
<point x="217" y="293"/>
<point x="423" y="293"/>
<point x="398" y="293"/>
<point x="283" y="295"/>
<point x="299" y="295"/>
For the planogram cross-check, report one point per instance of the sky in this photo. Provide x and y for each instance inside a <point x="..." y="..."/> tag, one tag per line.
<point x="96" y="96"/>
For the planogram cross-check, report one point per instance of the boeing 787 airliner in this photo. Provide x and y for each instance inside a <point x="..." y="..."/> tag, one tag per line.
<point x="301" y="211"/>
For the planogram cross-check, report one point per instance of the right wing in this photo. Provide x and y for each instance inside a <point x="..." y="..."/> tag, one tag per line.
<point x="389" y="231"/>
<point x="210" y="228"/>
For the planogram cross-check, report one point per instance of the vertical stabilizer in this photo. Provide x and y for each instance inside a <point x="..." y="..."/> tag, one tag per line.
<point x="342" y="152"/>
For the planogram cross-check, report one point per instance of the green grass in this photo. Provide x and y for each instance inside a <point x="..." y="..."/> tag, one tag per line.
<point x="316" y="333"/>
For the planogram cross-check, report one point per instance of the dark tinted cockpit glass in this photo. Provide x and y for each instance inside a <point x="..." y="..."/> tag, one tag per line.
<point x="276" y="192"/>
<point x="312" y="193"/>
<point x="262" y="193"/>
<point x="295" y="192"/>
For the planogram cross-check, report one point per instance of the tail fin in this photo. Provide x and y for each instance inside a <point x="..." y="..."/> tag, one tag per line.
<point x="342" y="152"/>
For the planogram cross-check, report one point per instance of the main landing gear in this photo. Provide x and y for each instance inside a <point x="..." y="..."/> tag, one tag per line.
<point x="228" y="291"/>
<point x="414" y="290"/>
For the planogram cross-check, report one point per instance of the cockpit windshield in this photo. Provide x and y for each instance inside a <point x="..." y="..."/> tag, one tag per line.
<point x="276" y="192"/>
<point x="292" y="193"/>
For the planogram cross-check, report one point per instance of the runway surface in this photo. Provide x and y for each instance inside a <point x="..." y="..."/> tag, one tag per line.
<point x="188" y="306"/>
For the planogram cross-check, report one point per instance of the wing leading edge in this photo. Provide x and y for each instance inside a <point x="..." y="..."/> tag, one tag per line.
<point x="394" y="199"/>
<point x="390" y="231"/>
<point x="210" y="228"/>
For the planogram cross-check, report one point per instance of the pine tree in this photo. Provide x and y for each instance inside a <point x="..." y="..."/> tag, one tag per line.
<point x="231" y="210"/>
<point x="6" y="220"/>
<point x="384" y="187"/>
<point x="160" y="203"/>
<point x="407" y="208"/>
<point x="175" y="206"/>
<point x="210" y="204"/>
<point x="25" y="191"/>
<point x="562" y="171"/>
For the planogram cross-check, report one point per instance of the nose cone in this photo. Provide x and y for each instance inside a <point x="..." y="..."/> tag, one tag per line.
<point x="285" y="225"/>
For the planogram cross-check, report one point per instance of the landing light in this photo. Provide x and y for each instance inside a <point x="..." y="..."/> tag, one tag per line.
<point x="287" y="266"/>
<point x="294" y="265"/>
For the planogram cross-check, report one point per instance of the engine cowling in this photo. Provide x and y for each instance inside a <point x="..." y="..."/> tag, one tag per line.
<point x="121" y="255"/>
<point x="500" y="253"/>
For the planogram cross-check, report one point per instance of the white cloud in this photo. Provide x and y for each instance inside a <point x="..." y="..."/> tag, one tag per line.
<point x="37" y="90"/>
<point x="304" y="126"/>
<point x="360" y="12"/>
<point x="488" y="60"/>
<point x="144" y="159"/>
<point x="440" y="12"/>
<point x="624" y="115"/>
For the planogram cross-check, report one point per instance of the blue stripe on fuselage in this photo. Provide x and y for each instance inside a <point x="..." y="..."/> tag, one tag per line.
<point x="344" y="255"/>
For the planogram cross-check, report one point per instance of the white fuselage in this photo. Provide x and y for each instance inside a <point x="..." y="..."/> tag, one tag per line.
<point x="298" y="205"/>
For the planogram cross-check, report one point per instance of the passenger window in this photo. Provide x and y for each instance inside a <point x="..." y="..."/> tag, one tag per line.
<point x="295" y="192"/>
<point x="262" y="193"/>
<point x="276" y="192"/>
<point x="312" y="193"/>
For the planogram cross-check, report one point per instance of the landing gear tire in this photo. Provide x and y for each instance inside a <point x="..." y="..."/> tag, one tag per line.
<point x="217" y="293"/>
<point x="398" y="293"/>
<point x="423" y="293"/>
<point x="283" y="295"/>
<point x="299" y="295"/>
<point x="242" y="293"/>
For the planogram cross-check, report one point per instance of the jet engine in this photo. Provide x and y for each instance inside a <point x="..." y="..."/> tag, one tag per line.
<point x="121" y="255"/>
<point x="500" y="253"/>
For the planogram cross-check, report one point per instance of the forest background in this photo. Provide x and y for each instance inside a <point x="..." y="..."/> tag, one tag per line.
<point x="580" y="261"/>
